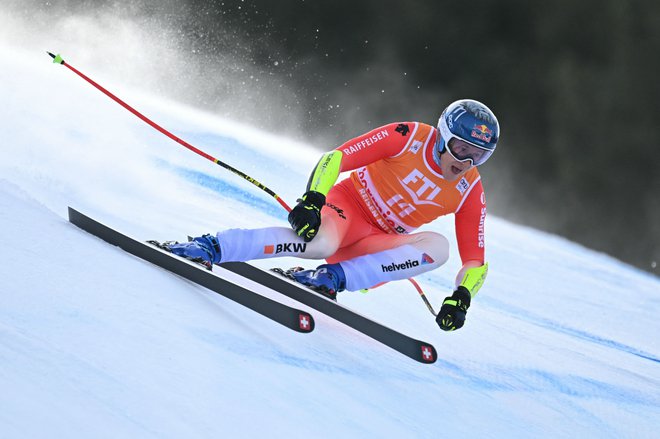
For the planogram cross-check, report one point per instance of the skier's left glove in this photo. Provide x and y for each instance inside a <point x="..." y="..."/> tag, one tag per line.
<point x="305" y="218"/>
<point x="453" y="310"/>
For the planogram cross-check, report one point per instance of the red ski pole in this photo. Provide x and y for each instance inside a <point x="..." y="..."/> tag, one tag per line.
<point x="57" y="59"/>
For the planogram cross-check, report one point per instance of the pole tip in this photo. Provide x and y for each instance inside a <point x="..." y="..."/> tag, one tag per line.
<point x="57" y="59"/>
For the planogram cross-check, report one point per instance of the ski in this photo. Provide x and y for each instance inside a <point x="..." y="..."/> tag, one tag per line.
<point x="292" y="318"/>
<point x="415" y="349"/>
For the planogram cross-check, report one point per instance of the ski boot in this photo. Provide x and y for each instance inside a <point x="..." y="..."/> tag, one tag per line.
<point x="203" y="250"/>
<point x="327" y="279"/>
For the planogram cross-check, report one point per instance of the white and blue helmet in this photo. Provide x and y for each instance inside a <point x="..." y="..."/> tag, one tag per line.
<point x="473" y="123"/>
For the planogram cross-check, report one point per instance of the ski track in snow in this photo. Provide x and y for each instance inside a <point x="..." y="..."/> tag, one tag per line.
<point x="561" y="341"/>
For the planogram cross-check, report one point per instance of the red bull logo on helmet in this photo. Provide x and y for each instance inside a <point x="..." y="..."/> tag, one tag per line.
<point x="482" y="132"/>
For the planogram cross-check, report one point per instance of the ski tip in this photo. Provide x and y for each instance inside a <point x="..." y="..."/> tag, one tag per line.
<point x="429" y="354"/>
<point x="305" y="322"/>
<point x="57" y="59"/>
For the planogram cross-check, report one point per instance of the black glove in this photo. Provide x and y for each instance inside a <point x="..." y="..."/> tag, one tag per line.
<point x="452" y="312"/>
<point x="305" y="218"/>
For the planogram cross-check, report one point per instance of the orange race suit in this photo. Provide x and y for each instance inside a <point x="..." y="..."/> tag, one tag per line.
<point x="368" y="221"/>
<point x="400" y="187"/>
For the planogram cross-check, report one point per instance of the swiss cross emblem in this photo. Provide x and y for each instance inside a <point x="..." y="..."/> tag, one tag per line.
<point x="427" y="354"/>
<point x="303" y="320"/>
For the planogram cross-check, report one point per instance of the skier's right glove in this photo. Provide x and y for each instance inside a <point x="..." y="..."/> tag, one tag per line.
<point x="305" y="218"/>
<point x="453" y="310"/>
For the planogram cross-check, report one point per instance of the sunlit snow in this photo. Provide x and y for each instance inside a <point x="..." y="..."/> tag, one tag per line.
<point x="560" y="342"/>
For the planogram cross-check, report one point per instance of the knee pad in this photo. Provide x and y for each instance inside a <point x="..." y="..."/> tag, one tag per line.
<point x="435" y="245"/>
<point x="323" y="246"/>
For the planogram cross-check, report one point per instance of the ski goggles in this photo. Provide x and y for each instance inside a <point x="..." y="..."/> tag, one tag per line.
<point x="460" y="149"/>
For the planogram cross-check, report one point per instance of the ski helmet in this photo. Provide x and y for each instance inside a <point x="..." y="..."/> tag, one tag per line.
<point x="472" y="123"/>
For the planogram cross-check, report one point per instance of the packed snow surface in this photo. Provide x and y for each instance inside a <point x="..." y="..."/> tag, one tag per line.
<point x="560" y="342"/>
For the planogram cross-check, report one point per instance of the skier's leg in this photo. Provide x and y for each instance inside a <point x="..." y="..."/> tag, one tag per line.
<point x="270" y="242"/>
<point x="382" y="258"/>
<point x="341" y="222"/>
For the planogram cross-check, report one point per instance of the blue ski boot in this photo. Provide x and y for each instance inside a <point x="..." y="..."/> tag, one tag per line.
<point x="327" y="279"/>
<point x="204" y="250"/>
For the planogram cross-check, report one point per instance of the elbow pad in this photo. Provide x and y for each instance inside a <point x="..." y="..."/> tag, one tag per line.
<point x="474" y="278"/>
<point x="325" y="173"/>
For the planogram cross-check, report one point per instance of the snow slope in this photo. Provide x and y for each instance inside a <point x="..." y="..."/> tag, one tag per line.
<point x="561" y="342"/>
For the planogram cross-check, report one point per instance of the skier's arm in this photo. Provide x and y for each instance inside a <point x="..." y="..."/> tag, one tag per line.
<point x="305" y="218"/>
<point x="386" y="141"/>
<point x="469" y="223"/>
<point x="382" y="142"/>
<point x="470" y="237"/>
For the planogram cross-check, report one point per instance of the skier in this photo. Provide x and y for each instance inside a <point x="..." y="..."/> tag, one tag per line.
<point x="403" y="175"/>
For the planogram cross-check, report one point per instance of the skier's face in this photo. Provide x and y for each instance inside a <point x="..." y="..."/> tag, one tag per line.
<point x="451" y="168"/>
